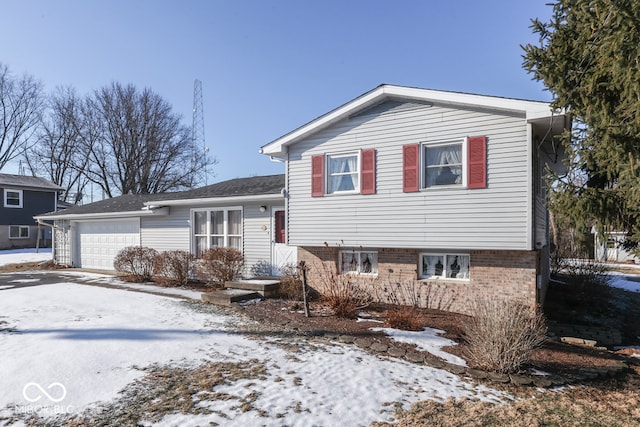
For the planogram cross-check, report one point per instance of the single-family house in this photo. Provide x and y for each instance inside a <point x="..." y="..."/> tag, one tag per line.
<point x="244" y="213"/>
<point x="610" y="247"/>
<point x="23" y="197"/>
<point x="443" y="189"/>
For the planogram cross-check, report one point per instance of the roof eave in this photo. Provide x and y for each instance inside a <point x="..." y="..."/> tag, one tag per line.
<point x="278" y="147"/>
<point x="216" y="200"/>
<point x="161" y="211"/>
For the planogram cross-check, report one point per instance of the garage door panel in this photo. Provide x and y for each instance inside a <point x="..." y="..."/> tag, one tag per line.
<point x="100" y="241"/>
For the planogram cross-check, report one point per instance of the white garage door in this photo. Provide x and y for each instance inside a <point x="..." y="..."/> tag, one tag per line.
<point x="100" y="241"/>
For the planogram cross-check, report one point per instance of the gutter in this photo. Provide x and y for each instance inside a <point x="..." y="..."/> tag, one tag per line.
<point x="214" y="200"/>
<point x="149" y="211"/>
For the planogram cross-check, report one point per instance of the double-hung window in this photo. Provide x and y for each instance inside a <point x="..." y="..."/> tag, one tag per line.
<point x="217" y="228"/>
<point x="445" y="266"/>
<point x="343" y="173"/>
<point x="18" y="231"/>
<point x="359" y="262"/>
<point x="12" y="198"/>
<point x="443" y="164"/>
<point x="459" y="163"/>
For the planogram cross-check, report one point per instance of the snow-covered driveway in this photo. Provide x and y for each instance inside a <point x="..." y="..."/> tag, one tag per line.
<point x="67" y="347"/>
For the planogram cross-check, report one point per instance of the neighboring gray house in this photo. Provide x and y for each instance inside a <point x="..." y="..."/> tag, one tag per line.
<point x="245" y="213"/>
<point x="443" y="188"/>
<point x="23" y="197"/>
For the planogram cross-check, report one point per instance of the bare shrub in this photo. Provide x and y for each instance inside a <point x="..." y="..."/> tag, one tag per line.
<point x="135" y="263"/>
<point x="262" y="269"/>
<point x="412" y="292"/>
<point x="405" y="318"/>
<point x="502" y="334"/>
<point x="344" y="293"/>
<point x="291" y="284"/>
<point x="172" y="268"/>
<point x="218" y="265"/>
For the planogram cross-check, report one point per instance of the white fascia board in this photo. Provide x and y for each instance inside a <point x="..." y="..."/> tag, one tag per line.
<point x="277" y="148"/>
<point x="107" y="215"/>
<point x="216" y="200"/>
<point x="532" y="110"/>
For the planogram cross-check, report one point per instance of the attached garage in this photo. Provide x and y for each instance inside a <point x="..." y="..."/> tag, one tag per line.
<point x="98" y="242"/>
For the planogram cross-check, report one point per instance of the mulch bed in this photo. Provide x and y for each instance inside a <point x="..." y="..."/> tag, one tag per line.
<point x="553" y="357"/>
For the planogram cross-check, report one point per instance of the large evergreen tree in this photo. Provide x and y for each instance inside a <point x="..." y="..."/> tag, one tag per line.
<point x="588" y="57"/>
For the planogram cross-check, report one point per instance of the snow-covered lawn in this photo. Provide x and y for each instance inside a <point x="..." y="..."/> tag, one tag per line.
<point x="69" y="347"/>
<point x="18" y="256"/>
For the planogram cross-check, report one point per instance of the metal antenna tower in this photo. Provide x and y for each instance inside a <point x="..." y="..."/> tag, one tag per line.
<point x="197" y="131"/>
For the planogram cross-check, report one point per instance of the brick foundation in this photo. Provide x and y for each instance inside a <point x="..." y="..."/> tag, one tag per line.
<point x="494" y="274"/>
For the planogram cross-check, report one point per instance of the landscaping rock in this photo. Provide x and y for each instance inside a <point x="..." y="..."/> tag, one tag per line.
<point x="363" y="342"/>
<point x="347" y="339"/>
<point x="578" y="341"/>
<point x="414" y="357"/>
<point x="455" y="369"/>
<point x="498" y="378"/>
<point x="378" y="347"/>
<point x="520" y="380"/>
<point x="477" y="374"/>
<point x="542" y="381"/>
<point x="396" y="352"/>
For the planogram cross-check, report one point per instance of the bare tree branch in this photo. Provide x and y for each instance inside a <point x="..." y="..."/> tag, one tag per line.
<point x="21" y="105"/>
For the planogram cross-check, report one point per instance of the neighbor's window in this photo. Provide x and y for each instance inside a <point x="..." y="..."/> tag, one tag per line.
<point x="12" y="198"/>
<point x="449" y="266"/>
<point x="18" y="231"/>
<point x="442" y="164"/>
<point x="342" y="173"/>
<point x="217" y="228"/>
<point x="359" y="262"/>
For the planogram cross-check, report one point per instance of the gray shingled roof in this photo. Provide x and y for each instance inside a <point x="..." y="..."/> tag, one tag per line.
<point x="8" y="180"/>
<point x="253" y="186"/>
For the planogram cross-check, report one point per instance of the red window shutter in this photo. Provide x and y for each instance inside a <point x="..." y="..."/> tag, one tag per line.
<point x="280" y="234"/>
<point x="368" y="171"/>
<point x="410" y="172"/>
<point x="477" y="162"/>
<point x="317" y="176"/>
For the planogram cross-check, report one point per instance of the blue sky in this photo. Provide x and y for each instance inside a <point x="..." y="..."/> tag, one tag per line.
<point x="270" y="66"/>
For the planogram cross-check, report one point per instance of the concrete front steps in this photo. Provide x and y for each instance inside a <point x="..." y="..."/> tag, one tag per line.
<point x="242" y="290"/>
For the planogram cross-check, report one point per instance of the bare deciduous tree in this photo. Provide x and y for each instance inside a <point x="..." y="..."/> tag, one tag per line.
<point x="59" y="153"/>
<point x="136" y="144"/>
<point x="20" y="109"/>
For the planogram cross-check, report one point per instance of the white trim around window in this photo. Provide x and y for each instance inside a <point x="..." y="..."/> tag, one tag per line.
<point x="443" y="164"/>
<point x="343" y="173"/>
<point x="18" y="232"/>
<point x="12" y="198"/>
<point x="358" y="262"/>
<point x="455" y="266"/>
<point x="216" y="227"/>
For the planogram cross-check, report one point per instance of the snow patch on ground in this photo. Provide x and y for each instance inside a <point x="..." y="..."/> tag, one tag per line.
<point x="627" y="282"/>
<point x="95" y="341"/>
<point x="19" y="256"/>
<point x="427" y="340"/>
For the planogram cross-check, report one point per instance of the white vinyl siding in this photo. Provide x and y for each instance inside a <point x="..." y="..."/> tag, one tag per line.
<point x="257" y="236"/>
<point x="455" y="218"/>
<point x="173" y="232"/>
<point x="167" y="232"/>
